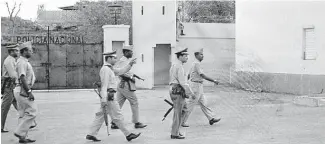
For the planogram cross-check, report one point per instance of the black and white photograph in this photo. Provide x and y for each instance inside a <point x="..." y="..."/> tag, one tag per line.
<point x="162" y="71"/>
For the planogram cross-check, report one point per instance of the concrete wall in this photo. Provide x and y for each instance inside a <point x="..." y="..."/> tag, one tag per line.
<point x="269" y="46"/>
<point x="218" y="41"/>
<point x="150" y="29"/>
<point x="115" y="33"/>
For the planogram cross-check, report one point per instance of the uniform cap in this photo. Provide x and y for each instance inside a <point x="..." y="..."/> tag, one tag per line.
<point x="113" y="54"/>
<point x="199" y="50"/>
<point x="128" y="47"/>
<point x="26" y="45"/>
<point x="182" y="51"/>
<point x="13" y="47"/>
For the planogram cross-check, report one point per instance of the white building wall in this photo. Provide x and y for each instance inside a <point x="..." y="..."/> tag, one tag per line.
<point x="115" y="33"/>
<point x="269" y="36"/>
<point x="150" y="29"/>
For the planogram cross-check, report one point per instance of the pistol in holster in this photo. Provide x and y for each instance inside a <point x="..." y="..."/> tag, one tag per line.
<point x="7" y="82"/>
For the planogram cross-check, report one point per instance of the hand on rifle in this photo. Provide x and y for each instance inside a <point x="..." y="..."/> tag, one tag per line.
<point x="110" y="96"/>
<point x="216" y="82"/>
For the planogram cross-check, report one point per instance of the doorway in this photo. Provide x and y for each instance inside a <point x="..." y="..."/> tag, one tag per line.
<point x="162" y="64"/>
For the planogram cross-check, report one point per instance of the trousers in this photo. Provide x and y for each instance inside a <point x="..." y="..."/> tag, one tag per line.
<point x="27" y="113"/>
<point x="197" y="89"/>
<point x="123" y="94"/>
<point x="179" y="113"/>
<point x="114" y="111"/>
<point x="8" y="99"/>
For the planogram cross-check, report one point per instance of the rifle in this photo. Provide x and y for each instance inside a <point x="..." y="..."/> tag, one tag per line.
<point x="170" y="109"/>
<point x="97" y="90"/>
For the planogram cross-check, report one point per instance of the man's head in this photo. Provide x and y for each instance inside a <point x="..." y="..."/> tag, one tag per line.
<point x="26" y="49"/>
<point x="199" y="55"/>
<point x="110" y="57"/>
<point x="128" y="51"/>
<point x="13" y="50"/>
<point x="182" y="55"/>
<point x="179" y="8"/>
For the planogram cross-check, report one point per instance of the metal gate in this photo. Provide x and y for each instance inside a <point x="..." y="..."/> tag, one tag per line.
<point x="64" y="65"/>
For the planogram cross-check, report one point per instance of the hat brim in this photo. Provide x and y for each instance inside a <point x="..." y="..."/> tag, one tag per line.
<point x="182" y="53"/>
<point x="14" y="49"/>
<point x="127" y="49"/>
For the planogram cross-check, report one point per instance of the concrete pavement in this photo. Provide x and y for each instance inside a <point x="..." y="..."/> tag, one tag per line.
<point x="247" y="118"/>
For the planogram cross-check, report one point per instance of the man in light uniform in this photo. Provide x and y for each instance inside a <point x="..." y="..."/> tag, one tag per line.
<point x="108" y="89"/>
<point x="179" y="90"/>
<point x="196" y="77"/>
<point x="126" y="87"/>
<point x="27" y="107"/>
<point x="8" y="83"/>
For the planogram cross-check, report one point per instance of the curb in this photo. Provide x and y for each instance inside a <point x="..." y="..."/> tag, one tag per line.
<point x="309" y="101"/>
<point x="63" y="90"/>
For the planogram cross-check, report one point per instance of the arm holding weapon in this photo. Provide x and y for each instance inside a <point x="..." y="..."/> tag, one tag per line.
<point x="120" y="70"/>
<point x="103" y="104"/>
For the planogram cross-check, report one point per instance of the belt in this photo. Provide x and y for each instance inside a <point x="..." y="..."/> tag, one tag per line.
<point x="201" y="82"/>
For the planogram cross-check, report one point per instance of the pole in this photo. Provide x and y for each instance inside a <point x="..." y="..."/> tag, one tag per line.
<point x="48" y="58"/>
<point x="115" y="17"/>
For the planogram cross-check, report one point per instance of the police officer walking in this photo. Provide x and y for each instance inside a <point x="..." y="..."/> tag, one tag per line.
<point x="196" y="77"/>
<point x="126" y="88"/>
<point x="107" y="92"/>
<point x="179" y="90"/>
<point x="8" y="83"/>
<point x="27" y="107"/>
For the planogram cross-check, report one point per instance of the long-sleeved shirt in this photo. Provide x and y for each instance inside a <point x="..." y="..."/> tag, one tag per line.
<point x="108" y="77"/>
<point x="9" y="67"/>
<point x="178" y="76"/>
<point x="26" y="69"/>
<point x="196" y="71"/>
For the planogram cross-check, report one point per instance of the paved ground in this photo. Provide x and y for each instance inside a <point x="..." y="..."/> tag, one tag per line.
<point x="247" y="118"/>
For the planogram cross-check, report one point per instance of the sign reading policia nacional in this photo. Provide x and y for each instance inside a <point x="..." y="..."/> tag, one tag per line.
<point x="57" y="39"/>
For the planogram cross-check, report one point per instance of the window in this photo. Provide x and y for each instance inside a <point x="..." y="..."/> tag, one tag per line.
<point x="163" y="10"/>
<point x="141" y="10"/>
<point x="309" y="39"/>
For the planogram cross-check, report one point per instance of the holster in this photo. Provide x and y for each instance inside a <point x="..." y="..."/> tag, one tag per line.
<point x="128" y="81"/>
<point x="7" y="82"/>
<point x="110" y="94"/>
<point x="177" y="89"/>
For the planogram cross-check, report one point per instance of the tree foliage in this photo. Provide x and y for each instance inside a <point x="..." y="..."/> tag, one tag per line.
<point x="207" y="11"/>
<point x="13" y="12"/>
<point x="99" y="13"/>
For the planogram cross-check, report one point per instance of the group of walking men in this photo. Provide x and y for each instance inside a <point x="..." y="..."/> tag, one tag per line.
<point x="117" y="86"/>
<point x="181" y="87"/>
<point x="16" y="82"/>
